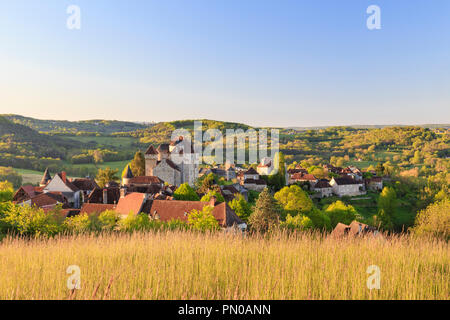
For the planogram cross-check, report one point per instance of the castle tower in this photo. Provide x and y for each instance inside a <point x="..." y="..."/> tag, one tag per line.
<point x="126" y="178"/>
<point x="45" y="178"/>
<point x="151" y="160"/>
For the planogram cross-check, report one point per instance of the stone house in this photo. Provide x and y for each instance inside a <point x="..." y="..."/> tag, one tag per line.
<point x="175" y="163"/>
<point x="346" y="186"/>
<point x="323" y="189"/>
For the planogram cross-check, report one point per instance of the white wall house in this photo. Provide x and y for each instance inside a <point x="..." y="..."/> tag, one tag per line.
<point x="59" y="183"/>
<point x="347" y="186"/>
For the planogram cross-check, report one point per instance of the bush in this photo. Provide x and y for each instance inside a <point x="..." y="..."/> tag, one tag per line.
<point x="29" y="221"/>
<point x="108" y="220"/>
<point x="77" y="224"/>
<point x="241" y="207"/>
<point x="339" y="212"/>
<point x="203" y="220"/>
<point x="213" y="193"/>
<point x="185" y="192"/>
<point x="298" y="222"/>
<point x="134" y="222"/>
<point x="434" y="220"/>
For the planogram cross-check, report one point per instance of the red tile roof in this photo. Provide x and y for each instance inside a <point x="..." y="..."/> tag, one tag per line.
<point x="48" y="199"/>
<point x="178" y="210"/>
<point x="145" y="180"/>
<point x="304" y="177"/>
<point x="131" y="203"/>
<point x="91" y="208"/>
<point x="85" y="184"/>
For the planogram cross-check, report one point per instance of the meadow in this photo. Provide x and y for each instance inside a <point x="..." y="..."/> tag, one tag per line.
<point x="188" y="265"/>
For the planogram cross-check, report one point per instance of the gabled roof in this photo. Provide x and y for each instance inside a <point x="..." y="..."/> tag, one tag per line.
<point x="68" y="183"/>
<point x="303" y="176"/>
<point x="112" y="193"/>
<point x="151" y="150"/>
<point x="145" y="180"/>
<point x="168" y="210"/>
<point x="322" y="184"/>
<point x="346" y="181"/>
<point x="85" y="184"/>
<point x="47" y="199"/>
<point x="131" y="203"/>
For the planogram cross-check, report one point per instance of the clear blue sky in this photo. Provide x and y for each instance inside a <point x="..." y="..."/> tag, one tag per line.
<point x="275" y="63"/>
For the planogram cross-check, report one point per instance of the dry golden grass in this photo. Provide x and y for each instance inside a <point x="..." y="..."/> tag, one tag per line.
<point x="183" y="265"/>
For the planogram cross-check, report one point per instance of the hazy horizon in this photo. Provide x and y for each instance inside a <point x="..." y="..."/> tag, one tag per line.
<point x="292" y="126"/>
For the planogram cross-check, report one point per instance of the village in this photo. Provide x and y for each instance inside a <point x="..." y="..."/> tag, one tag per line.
<point x="153" y="193"/>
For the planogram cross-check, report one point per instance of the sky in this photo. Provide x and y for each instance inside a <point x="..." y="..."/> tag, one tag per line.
<point x="263" y="63"/>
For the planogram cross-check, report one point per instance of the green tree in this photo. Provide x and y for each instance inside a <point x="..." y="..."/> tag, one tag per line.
<point x="206" y="183"/>
<point x="203" y="220"/>
<point x="319" y="219"/>
<point x="387" y="205"/>
<point x="266" y="214"/>
<point x="434" y="220"/>
<point x="77" y="224"/>
<point x="106" y="175"/>
<point x="29" y="221"/>
<point x="241" y="207"/>
<point x="379" y="169"/>
<point x="294" y="200"/>
<point x="137" y="165"/>
<point x="9" y="174"/>
<point x="135" y="222"/>
<point x="339" y="212"/>
<point x="6" y="191"/>
<point x="213" y="193"/>
<point x="185" y="192"/>
<point x="108" y="219"/>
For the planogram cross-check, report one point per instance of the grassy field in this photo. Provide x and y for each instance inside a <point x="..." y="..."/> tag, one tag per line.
<point x="183" y="265"/>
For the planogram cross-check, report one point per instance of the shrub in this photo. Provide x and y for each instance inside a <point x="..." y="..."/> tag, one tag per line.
<point x="339" y="212"/>
<point x="29" y="221"/>
<point x="134" y="222"/>
<point x="298" y="222"/>
<point x="203" y="220"/>
<point x="108" y="220"/>
<point x="434" y="220"/>
<point x="241" y="207"/>
<point x="185" y="192"/>
<point x="77" y="224"/>
<point x="213" y="193"/>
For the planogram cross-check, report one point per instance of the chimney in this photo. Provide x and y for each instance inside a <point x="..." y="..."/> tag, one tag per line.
<point x="123" y="192"/>
<point x="212" y="201"/>
<point x="105" y="196"/>
<point x="63" y="176"/>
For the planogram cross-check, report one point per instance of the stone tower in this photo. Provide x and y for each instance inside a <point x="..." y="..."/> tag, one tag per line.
<point x="128" y="175"/>
<point x="151" y="160"/>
